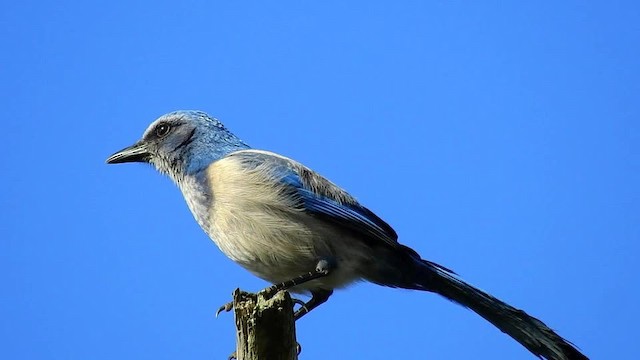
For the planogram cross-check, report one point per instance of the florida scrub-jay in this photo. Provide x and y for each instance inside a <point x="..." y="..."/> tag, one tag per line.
<point x="279" y="220"/>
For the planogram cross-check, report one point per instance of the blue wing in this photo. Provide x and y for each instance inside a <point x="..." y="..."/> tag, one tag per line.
<point x="322" y="198"/>
<point x="319" y="196"/>
<point x="349" y="214"/>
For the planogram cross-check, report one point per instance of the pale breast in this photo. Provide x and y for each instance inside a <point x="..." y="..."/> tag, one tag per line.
<point x="256" y="223"/>
<point x="259" y="222"/>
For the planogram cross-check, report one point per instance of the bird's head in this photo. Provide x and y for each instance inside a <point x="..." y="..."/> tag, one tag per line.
<point x="180" y="143"/>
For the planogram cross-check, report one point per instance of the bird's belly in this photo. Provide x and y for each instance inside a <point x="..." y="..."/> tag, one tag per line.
<point x="278" y="245"/>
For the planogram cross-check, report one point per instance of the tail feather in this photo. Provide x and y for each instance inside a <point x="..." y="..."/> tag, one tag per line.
<point x="527" y="330"/>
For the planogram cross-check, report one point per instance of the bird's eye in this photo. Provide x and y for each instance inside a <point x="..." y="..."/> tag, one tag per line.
<point x="162" y="130"/>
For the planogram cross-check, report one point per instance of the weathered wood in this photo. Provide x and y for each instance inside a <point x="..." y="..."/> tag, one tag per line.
<point x="265" y="328"/>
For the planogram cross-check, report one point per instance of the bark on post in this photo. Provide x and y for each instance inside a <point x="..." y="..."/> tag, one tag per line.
<point x="265" y="329"/>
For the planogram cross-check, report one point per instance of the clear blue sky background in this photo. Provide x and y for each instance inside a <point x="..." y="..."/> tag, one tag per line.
<point x="498" y="139"/>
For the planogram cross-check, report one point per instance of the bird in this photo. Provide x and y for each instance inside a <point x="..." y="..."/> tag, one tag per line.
<point x="290" y="226"/>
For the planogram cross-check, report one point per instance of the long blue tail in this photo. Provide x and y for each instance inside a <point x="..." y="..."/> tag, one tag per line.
<point x="527" y="330"/>
<point x="405" y="269"/>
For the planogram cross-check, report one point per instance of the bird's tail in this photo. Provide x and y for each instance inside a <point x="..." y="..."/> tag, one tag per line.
<point x="527" y="330"/>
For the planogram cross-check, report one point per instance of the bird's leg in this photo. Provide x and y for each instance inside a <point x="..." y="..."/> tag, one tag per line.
<point x="318" y="297"/>
<point x="323" y="268"/>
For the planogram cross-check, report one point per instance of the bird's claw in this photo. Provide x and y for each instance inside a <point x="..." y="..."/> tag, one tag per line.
<point x="226" y="308"/>
<point x="301" y="303"/>
<point x="267" y="292"/>
<point x="298" y="301"/>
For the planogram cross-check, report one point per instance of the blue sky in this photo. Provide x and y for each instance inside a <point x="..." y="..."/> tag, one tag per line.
<point x="500" y="140"/>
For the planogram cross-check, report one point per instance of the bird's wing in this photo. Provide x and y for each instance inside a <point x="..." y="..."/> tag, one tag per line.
<point x="318" y="195"/>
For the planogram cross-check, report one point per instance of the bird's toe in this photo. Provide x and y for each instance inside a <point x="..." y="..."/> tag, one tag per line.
<point x="226" y="308"/>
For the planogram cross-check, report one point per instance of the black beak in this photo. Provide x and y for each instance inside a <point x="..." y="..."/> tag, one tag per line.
<point x="134" y="153"/>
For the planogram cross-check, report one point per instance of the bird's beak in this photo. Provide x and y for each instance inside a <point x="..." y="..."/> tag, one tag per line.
<point x="135" y="153"/>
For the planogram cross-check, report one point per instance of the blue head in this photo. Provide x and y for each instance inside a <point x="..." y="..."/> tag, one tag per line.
<point x="179" y="143"/>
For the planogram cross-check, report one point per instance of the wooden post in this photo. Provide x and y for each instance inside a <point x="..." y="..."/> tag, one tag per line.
<point x="265" y="329"/>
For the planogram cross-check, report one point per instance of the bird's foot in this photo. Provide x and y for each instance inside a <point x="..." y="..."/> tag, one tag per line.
<point x="229" y="306"/>
<point x="323" y="268"/>
<point x="297" y="301"/>
<point x="226" y="308"/>
<point x="303" y="306"/>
